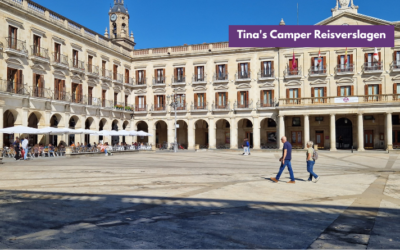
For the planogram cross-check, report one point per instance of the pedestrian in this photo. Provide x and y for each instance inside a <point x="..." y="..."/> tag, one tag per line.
<point x="311" y="161"/>
<point x="17" y="149"/>
<point x="24" y="144"/>
<point x="340" y="142"/>
<point x="245" y="147"/>
<point x="285" y="161"/>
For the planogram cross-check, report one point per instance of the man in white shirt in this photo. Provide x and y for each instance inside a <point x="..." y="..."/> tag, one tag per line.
<point x="25" y="147"/>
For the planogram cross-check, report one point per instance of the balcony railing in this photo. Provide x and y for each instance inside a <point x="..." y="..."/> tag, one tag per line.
<point x="92" y="69"/>
<point x="118" y="77"/>
<point x="16" y="45"/>
<point x="200" y="106"/>
<point x="119" y="105"/>
<point x="181" y="107"/>
<point x="342" y="69"/>
<point x="266" y="104"/>
<point x="373" y="66"/>
<point x="223" y="106"/>
<point x="340" y="100"/>
<point x="199" y="78"/>
<point x="221" y="77"/>
<point x="243" y="75"/>
<point x="159" y="80"/>
<point x="41" y="92"/>
<point x="317" y="71"/>
<point x="269" y="73"/>
<point x="106" y="74"/>
<point x="141" y="108"/>
<point x="178" y="79"/>
<point x="159" y="108"/>
<point x="61" y="59"/>
<point x="77" y="98"/>
<point x="13" y="87"/>
<point x="62" y="96"/>
<point x="93" y="101"/>
<point x="395" y="66"/>
<point x="129" y="80"/>
<point x="292" y="72"/>
<point x="79" y="65"/>
<point x="141" y="81"/>
<point x="39" y="52"/>
<point x="107" y="103"/>
<point x="244" y="105"/>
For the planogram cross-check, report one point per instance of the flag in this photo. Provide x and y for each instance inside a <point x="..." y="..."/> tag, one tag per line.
<point x="294" y="65"/>
<point x="376" y="55"/>
<point x="345" y="57"/>
<point x="319" y="58"/>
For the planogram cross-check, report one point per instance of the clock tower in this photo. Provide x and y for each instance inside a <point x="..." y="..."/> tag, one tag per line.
<point x="119" y="25"/>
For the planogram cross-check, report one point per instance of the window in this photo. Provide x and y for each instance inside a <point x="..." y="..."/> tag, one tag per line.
<point x="12" y="37"/>
<point x="159" y="102"/>
<point x="76" y="92"/>
<point x="90" y="64"/>
<point x="267" y="98"/>
<point x="345" y="90"/>
<point x="103" y="68"/>
<point x="199" y="74"/>
<point x="115" y="72"/>
<point x="373" y="91"/>
<point x="222" y="72"/>
<point x="395" y="120"/>
<point x="297" y="138"/>
<point x="293" y="95"/>
<point x="75" y="58"/>
<point x="160" y="76"/>
<point x="103" y="98"/>
<point x="38" y="85"/>
<point x="318" y="92"/>
<point x="243" y="99"/>
<point x="345" y="65"/>
<point x="126" y="100"/>
<point x="90" y="95"/>
<point x="36" y="45"/>
<point x="14" y="80"/>
<point x="316" y="67"/>
<point x="371" y="63"/>
<point x="243" y="70"/>
<point x="115" y="99"/>
<point x="294" y="68"/>
<point x="57" y="52"/>
<point x="141" y="77"/>
<point x="267" y="69"/>
<point x="296" y="122"/>
<point x="141" y="103"/>
<point x="180" y="98"/>
<point x="179" y="74"/>
<point x="221" y="99"/>
<point x="200" y="100"/>
<point x="396" y="60"/>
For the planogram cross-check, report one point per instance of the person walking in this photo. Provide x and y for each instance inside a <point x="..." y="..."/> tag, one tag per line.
<point x="17" y="149"/>
<point x="25" y="147"/>
<point x="311" y="162"/>
<point x="285" y="161"/>
<point x="245" y="147"/>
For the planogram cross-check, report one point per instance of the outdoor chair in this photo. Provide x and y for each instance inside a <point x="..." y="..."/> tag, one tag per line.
<point x="31" y="153"/>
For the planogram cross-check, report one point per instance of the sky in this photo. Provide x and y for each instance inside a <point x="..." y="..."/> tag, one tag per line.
<point x="163" y="23"/>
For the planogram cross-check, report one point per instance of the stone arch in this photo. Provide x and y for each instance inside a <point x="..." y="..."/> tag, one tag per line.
<point x="40" y="119"/>
<point x="223" y="133"/>
<point x="33" y="122"/>
<point x="268" y="134"/>
<point x="245" y="130"/>
<point x="73" y="122"/>
<point x="115" y="126"/>
<point x="9" y="119"/>
<point x="91" y="125"/>
<point x="201" y="133"/>
<point x="161" y="133"/>
<point x="182" y="134"/>
<point x="55" y="120"/>
<point x="142" y="126"/>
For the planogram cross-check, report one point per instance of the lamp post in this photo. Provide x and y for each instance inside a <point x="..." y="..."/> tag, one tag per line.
<point x="176" y="104"/>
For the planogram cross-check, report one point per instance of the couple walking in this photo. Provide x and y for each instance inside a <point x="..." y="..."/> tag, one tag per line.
<point x="287" y="158"/>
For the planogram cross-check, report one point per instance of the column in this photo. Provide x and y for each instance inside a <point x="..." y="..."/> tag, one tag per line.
<point x="1" y="122"/>
<point x="333" y="132"/>
<point x="389" y="132"/>
<point x="171" y="132"/>
<point x="234" y="134"/>
<point x="66" y="125"/>
<point x="152" y="130"/>
<point x="256" y="134"/>
<point x="360" y="131"/>
<point x="281" y="124"/>
<point x="191" y="135"/>
<point x="306" y="130"/>
<point x="212" y="134"/>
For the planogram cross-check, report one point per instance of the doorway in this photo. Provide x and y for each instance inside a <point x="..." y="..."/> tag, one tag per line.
<point x="368" y="139"/>
<point x="344" y="133"/>
<point x="319" y="139"/>
<point x="249" y="135"/>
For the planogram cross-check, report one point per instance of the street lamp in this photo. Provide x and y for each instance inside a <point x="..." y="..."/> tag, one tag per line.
<point x="176" y="103"/>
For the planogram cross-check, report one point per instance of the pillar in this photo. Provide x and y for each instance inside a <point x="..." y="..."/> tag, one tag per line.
<point x="234" y="134"/>
<point x="306" y="130"/>
<point x="66" y="125"/>
<point x="333" y="132"/>
<point x="212" y="134"/>
<point x="1" y="123"/>
<point x="389" y="132"/>
<point x="360" y="131"/>
<point x="191" y="135"/>
<point x="152" y="130"/>
<point x="281" y="124"/>
<point x="256" y="134"/>
<point x="171" y="132"/>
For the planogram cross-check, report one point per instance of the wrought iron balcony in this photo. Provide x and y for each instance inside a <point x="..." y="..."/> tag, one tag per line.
<point x="77" y="66"/>
<point x="243" y="76"/>
<point x="395" y="66"/>
<point x="60" y="61"/>
<point x="105" y="74"/>
<point x="92" y="70"/>
<point x="119" y="105"/>
<point x="107" y="103"/>
<point x="266" y="74"/>
<point x="221" y="107"/>
<point x="141" y="108"/>
<point x="221" y="77"/>
<point x="141" y="81"/>
<point x="266" y="104"/>
<point x="317" y="71"/>
<point x="118" y="78"/>
<point x="199" y="78"/>
<point x="344" y="69"/>
<point x="94" y="101"/>
<point x="159" y="80"/>
<point x="373" y="67"/>
<point x="79" y="99"/>
<point x="244" y="105"/>
<point x="41" y="92"/>
<point x="341" y="100"/>
<point x="179" y="79"/>
<point x="40" y="54"/>
<point x="200" y="107"/>
<point x="16" y="47"/>
<point x="293" y="73"/>
<point x="159" y="108"/>
<point x="62" y="96"/>
<point x="13" y="87"/>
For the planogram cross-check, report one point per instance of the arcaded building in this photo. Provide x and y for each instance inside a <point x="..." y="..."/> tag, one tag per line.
<point x="55" y="72"/>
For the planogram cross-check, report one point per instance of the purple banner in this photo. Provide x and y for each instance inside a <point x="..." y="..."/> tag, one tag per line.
<point x="311" y="36"/>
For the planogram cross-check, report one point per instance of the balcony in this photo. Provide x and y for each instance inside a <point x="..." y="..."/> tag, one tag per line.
<point x="12" y="87"/>
<point x="246" y="105"/>
<point x="373" y="67"/>
<point x="203" y="107"/>
<point x="94" y="101"/>
<point x="39" y="54"/>
<point x="92" y="71"/>
<point x="159" y="80"/>
<point x="342" y="100"/>
<point x="179" y="80"/>
<point x="106" y="75"/>
<point x="268" y="74"/>
<point x="243" y="76"/>
<point x="77" y="66"/>
<point x="182" y="108"/>
<point x="41" y="93"/>
<point x="158" y="109"/>
<point x="16" y="47"/>
<point x="107" y="104"/>
<point x="292" y="73"/>
<point x="221" y="107"/>
<point x="60" y="61"/>
<point x="317" y="71"/>
<point x="221" y="78"/>
<point x="62" y="96"/>
<point x="141" y="82"/>
<point x="395" y="66"/>
<point x="129" y="81"/>
<point x="79" y="99"/>
<point x="118" y="78"/>
<point x="344" y="69"/>
<point x="119" y="106"/>
<point x="141" y="109"/>
<point x="266" y="104"/>
<point x="199" y="79"/>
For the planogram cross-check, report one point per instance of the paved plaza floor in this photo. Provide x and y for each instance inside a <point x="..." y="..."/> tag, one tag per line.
<point x="201" y="200"/>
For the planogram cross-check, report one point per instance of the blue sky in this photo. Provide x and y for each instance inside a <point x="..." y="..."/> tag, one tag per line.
<point x="161" y="23"/>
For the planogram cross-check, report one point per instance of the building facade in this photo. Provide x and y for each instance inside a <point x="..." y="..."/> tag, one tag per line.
<point x="59" y="73"/>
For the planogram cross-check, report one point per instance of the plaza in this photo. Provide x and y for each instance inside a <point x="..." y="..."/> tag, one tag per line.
<point x="204" y="199"/>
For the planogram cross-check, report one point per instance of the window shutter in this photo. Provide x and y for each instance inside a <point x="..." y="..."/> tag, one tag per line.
<point x="144" y="77"/>
<point x="338" y="90"/>
<point x="394" y="56"/>
<point x="216" y="70"/>
<point x="325" y="94"/>
<point x="324" y="61"/>
<point x="41" y="83"/>
<point x="239" y="68"/>
<point x="247" y="97"/>
<point x="312" y="92"/>
<point x="352" y="90"/>
<point x="155" y="102"/>
<point x="272" y="95"/>
<point x="380" y="89"/>
<point x="56" y="85"/>
<point x="163" y="71"/>
<point x="290" y="64"/>
<point x="366" y="57"/>
<point x="366" y="90"/>
<point x="380" y="58"/>
<point x="175" y="72"/>
<point x="216" y="100"/>
<point x="351" y="59"/>
<point x="262" y="67"/>
<point x="195" y="73"/>
<point x="34" y="80"/>
<point x="312" y="62"/>
<point x="261" y="98"/>
<point x="137" y="76"/>
<point x="299" y="92"/>
<point x="80" y="92"/>
<point x="338" y="63"/>
<point x="205" y="99"/>
<point x="20" y="80"/>
<point x="144" y="100"/>
<point x="155" y="74"/>
<point x="287" y="93"/>
<point x="136" y="101"/>
<point x="249" y="69"/>
<point x="184" y="73"/>
<point x="195" y="99"/>
<point x="394" y="88"/>
<point x="226" y="68"/>
<point x="272" y="65"/>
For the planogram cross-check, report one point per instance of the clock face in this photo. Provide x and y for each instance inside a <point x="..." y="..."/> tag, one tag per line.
<point x="113" y="17"/>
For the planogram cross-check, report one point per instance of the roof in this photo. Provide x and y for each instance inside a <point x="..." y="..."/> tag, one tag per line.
<point x="119" y="7"/>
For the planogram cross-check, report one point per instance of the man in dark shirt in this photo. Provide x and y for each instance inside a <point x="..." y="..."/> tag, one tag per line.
<point x="17" y="149"/>
<point x="285" y="161"/>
